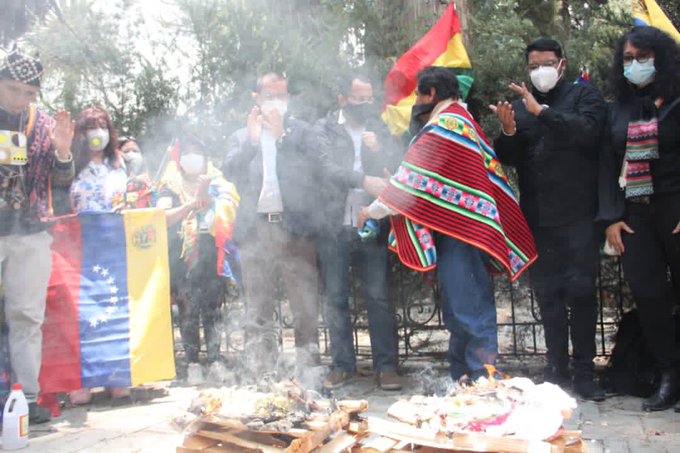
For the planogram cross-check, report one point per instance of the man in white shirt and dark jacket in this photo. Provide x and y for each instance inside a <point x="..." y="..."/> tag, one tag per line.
<point x="356" y="151"/>
<point x="276" y="175"/>
<point x="552" y="135"/>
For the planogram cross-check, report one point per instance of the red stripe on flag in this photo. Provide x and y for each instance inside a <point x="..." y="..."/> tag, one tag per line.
<point x="60" y="370"/>
<point x="402" y="79"/>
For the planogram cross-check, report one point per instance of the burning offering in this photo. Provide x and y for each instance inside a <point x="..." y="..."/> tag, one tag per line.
<point x="287" y="417"/>
<point x="491" y="415"/>
<point x="510" y="415"/>
<point x="513" y="407"/>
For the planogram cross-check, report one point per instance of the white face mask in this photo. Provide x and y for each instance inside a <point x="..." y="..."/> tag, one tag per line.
<point x="97" y="139"/>
<point x="545" y="78"/>
<point x="134" y="162"/>
<point x="192" y="164"/>
<point x="276" y="104"/>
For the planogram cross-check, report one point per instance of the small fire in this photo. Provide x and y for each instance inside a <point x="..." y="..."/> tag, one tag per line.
<point x="492" y="373"/>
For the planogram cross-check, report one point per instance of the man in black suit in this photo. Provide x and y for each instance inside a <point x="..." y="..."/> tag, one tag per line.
<point x="552" y="136"/>
<point x="356" y="150"/>
<point x="277" y="177"/>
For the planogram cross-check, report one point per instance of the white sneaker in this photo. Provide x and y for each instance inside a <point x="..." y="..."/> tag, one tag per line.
<point x="194" y="374"/>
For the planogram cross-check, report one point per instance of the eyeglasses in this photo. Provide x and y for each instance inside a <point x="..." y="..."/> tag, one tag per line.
<point x="547" y="64"/>
<point x="643" y="58"/>
<point x="360" y="99"/>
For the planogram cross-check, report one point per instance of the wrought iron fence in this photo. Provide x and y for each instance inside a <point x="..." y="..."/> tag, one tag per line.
<point x="421" y="332"/>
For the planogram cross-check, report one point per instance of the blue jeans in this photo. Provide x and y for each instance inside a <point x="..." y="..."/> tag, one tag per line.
<point x="336" y="253"/>
<point x="468" y="306"/>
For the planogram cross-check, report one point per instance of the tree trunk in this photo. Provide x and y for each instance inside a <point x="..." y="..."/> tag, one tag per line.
<point x="432" y="10"/>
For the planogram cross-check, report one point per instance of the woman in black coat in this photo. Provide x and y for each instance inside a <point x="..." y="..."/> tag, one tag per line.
<point x="640" y="189"/>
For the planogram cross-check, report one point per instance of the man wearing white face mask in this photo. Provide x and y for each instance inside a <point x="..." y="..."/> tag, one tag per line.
<point x="552" y="136"/>
<point x="277" y="174"/>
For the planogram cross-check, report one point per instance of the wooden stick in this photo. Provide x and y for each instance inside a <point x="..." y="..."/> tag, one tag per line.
<point x="457" y="442"/>
<point x="340" y="443"/>
<point x="336" y="422"/>
<point x="235" y="440"/>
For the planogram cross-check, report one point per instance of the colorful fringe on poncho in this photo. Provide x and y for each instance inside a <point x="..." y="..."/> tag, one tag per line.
<point x="222" y="213"/>
<point x="450" y="181"/>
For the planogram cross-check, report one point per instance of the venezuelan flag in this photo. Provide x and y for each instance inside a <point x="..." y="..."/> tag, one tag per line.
<point x="441" y="46"/>
<point x="108" y="306"/>
<point x="648" y="12"/>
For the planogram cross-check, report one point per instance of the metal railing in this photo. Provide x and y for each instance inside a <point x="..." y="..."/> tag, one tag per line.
<point x="421" y="332"/>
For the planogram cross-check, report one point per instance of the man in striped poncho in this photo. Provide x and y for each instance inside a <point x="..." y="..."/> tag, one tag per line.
<point x="452" y="208"/>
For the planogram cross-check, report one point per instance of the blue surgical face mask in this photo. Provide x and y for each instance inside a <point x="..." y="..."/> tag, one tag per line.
<point x="640" y="74"/>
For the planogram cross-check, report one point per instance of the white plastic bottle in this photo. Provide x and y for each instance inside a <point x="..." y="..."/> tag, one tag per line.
<point x="15" y="420"/>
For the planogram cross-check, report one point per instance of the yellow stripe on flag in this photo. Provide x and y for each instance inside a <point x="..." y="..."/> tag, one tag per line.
<point x="650" y="13"/>
<point x="441" y="46"/>
<point x="398" y="117"/>
<point x="151" y="340"/>
<point x="455" y="55"/>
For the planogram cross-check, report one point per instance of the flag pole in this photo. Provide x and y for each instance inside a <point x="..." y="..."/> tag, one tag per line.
<point x="166" y="159"/>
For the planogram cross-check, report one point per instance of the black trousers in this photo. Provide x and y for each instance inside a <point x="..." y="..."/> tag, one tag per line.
<point x="649" y="252"/>
<point x="564" y="278"/>
<point x="202" y="303"/>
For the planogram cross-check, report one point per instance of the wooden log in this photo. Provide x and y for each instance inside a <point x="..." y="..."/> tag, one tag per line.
<point x="196" y="443"/>
<point x="215" y="449"/>
<point x="246" y="445"/>
<point x="353" y="406"/>
<point x="457" y="442"/>
<point x="379" y="444"/>
<point x="336" y="422"/>
<point x="340" y="443"/>
<point x="265" y="439"/>
<point x="357" y="427"/>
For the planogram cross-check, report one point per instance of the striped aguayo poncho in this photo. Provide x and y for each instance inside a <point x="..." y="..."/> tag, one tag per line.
<point x="450" y="181"/>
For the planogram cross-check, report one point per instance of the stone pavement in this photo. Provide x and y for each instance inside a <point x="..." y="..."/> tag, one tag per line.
<point x="616" y="425"/>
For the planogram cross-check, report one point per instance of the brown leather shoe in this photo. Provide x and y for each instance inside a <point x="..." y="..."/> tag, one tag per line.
<point x="336" y="379"/>
<point x="389" y="380"/>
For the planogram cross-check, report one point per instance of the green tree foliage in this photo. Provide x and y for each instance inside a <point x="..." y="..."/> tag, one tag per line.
<point x="204" y="63"/>
<point x="18" y="15"/>
<point x="235" y="40"/>
<point x="672" y="10"/>
<point x="91" y="58"/>
<point x="500" y="31"/>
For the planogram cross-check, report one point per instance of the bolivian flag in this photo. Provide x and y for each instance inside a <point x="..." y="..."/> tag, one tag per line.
<point x="648" y="12"/>
<point x="441" y="46"/>
<point x="107" y="322"/>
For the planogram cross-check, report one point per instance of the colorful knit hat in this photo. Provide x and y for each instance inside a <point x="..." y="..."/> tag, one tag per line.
<point x="22" y="68"/>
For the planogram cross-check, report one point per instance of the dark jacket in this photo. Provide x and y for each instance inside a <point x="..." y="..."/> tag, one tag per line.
<point x="298" y="172"/>
<point x="43" y="172"/>
<point x="665" y="171"/>
<point x="556" y="154"/>
<point x="336" y="153"/>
